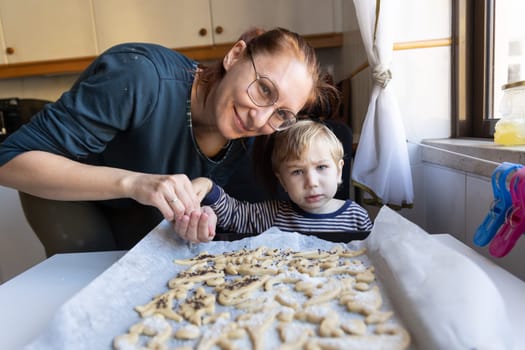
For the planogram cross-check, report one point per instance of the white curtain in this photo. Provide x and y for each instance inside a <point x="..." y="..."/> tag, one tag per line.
<point x="381" y="165"/>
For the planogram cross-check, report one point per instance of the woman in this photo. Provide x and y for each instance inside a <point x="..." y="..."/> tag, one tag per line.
<point x="111" y="158"/>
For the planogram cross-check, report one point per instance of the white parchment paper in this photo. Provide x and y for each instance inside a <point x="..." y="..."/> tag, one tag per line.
<point x="445" y="300"/>
<point x="105" y="308"/>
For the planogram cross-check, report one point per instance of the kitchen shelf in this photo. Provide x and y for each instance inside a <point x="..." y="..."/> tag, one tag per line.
<point x="199" y="53"/>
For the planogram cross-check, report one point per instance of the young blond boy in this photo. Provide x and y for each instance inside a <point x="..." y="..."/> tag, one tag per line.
<point x="307" y="159"/>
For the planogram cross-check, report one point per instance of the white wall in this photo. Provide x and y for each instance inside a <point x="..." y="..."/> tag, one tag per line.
<point x="19" y="247"/>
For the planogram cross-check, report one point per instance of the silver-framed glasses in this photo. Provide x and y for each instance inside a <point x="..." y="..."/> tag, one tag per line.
<point x="263" y="93"/>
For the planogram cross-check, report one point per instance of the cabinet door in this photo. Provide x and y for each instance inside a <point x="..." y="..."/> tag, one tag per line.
<point x="230" y="18"/>
<point x="36" y="30"/>
<point x="172" y="23"/>
<point x="3" y="55"/>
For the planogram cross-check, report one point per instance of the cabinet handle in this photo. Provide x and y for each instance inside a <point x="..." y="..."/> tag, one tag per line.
<point x="219" y="29"/>
<point x="10" y="50"/>
<point x="203" y="32"/>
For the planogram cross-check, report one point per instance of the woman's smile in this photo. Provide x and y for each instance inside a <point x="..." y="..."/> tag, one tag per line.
<point x="240" y="125"/>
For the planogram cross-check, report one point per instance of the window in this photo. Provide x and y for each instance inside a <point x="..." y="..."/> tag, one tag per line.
<point x="509" y="47"/>
<point x="489" y="51"/>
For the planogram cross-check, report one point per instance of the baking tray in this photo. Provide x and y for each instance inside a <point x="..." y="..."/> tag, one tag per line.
<point x="339" y="236"/>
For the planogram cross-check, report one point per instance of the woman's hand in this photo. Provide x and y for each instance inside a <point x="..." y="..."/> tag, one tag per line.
<point x="178" y="199"/>
<point x="173" y="195"/>
<point x="51" y="176"/>
<point x="197" y="227"/>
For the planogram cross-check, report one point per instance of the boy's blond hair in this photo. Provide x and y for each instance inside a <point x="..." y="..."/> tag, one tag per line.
<point x="292" y="143"/>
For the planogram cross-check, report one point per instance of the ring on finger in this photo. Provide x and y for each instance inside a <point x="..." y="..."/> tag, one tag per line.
<point x="174" y="200"/>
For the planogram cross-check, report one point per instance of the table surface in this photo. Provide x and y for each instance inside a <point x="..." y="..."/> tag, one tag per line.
<point x="29" y="300"/>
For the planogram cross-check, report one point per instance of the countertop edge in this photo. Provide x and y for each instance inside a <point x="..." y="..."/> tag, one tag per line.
<point x="476" y="156"/>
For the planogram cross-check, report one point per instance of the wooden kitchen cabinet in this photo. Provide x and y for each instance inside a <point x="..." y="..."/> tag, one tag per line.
<point x="171" y="23"/>
<point x="3" y="55"/>
<point x="36" y="30"/>
<point x="64" y="36"/>
<point x="232" y="17"/>
<point x="189" y="23"/>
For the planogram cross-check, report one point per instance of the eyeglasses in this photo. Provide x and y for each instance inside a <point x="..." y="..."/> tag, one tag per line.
<point x="263" y="93"/>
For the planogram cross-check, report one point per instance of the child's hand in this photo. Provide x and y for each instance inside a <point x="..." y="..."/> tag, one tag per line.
<point x="202" y="186"/>
<point x="197" y="227"/>
<point x="212" y="221"/>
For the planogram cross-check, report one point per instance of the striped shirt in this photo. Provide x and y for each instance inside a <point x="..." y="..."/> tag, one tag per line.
<point x="245" y="217"/>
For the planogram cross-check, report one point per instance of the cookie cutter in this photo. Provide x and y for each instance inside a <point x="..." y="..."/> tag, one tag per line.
<point x="514" y="225"/>
<point x="500" y="205"/>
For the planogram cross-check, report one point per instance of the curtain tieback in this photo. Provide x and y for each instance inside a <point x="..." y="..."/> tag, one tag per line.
<point x="381" y="75"/>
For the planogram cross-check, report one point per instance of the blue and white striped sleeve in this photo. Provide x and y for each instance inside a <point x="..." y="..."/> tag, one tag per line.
<point x="238" y="216"/>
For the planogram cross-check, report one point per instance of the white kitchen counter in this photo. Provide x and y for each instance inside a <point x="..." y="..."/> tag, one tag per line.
<point x="28" y="301"/>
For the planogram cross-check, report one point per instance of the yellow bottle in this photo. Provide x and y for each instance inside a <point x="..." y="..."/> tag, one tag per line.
<point x="510" y="130"/>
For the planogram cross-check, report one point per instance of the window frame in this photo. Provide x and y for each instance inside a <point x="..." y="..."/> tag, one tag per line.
<point x="472" y="74"/>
